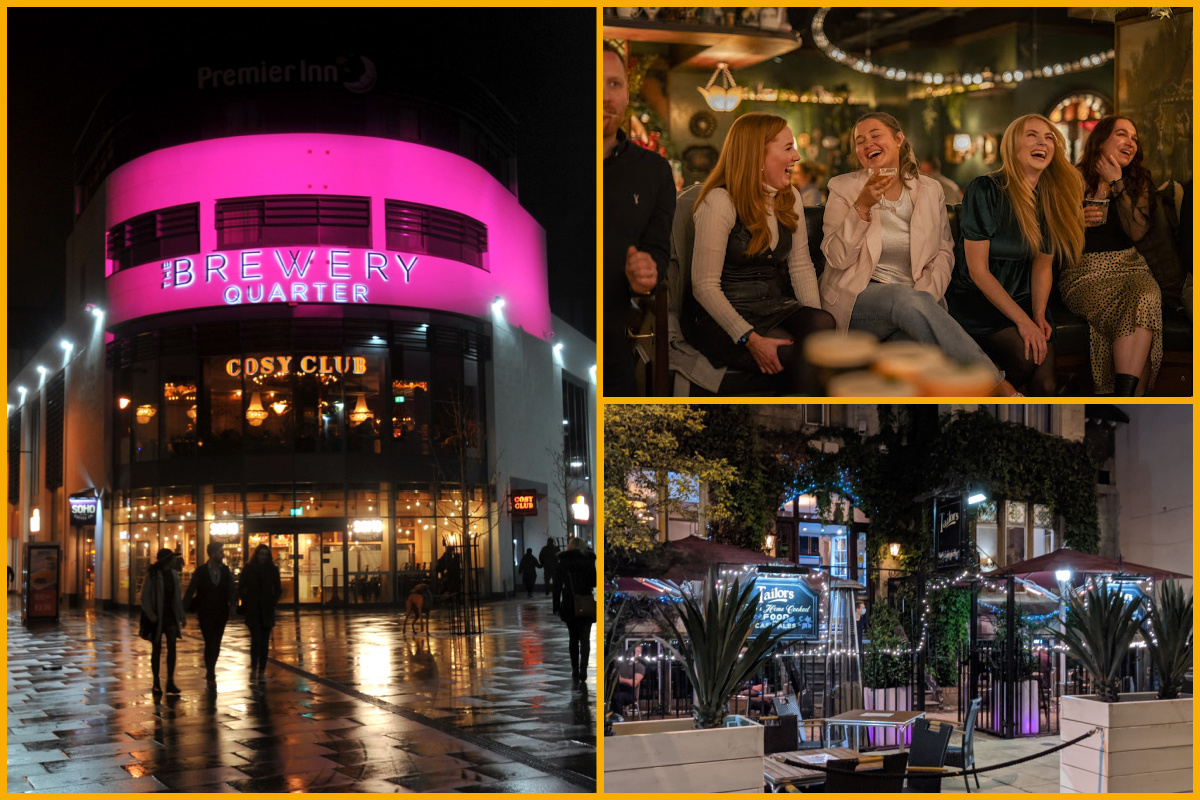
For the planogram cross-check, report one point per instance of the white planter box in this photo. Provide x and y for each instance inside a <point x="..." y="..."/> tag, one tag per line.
<point x="895" y="699"/>
<point x="1145" y="744"/>
<point x="671" y="756"/>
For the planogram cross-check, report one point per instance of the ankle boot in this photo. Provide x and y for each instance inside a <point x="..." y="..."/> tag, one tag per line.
<point x="1124" y="384"/>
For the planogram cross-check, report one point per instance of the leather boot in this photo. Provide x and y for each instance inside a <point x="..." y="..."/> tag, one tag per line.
<point x="1124" y="384"/>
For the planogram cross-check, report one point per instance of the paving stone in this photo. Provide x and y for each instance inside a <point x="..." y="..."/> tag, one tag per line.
<point x="351" y="704"/>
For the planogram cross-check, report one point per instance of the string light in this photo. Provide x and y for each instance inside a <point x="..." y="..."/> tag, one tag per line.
<point x="962" y="81"/>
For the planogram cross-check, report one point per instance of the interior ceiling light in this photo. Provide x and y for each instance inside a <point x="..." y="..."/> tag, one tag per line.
<point x="865" y="65"/>
<point x="724" y="97"/>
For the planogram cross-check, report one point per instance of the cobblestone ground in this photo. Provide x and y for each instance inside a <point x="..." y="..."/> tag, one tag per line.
<point x="351" y="703"/>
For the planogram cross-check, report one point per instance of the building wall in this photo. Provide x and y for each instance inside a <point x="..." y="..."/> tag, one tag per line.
<point x="1153" y="469"/>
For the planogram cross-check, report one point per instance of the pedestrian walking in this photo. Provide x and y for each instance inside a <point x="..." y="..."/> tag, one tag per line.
<point x="574" y="593"/>
<point x="163" y="607"/>
<point x="528" y="569"/>
<point x="259" y="591"/>
<point x="213" y="592"/>
<point x="549" y="558"/>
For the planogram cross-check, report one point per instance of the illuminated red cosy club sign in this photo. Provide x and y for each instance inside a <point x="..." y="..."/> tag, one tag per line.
<point x="380" y="170"/>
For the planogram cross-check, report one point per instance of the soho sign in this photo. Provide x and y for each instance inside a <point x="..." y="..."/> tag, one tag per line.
<point x="282" y="275"/>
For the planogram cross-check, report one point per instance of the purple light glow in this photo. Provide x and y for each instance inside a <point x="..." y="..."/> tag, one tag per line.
<point x="327" y="164"/>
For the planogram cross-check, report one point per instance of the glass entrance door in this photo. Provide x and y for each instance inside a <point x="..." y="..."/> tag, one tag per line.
<point x="311" y="565"/>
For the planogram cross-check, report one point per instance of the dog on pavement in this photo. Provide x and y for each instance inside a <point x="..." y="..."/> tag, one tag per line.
<point x="420" y="603"/>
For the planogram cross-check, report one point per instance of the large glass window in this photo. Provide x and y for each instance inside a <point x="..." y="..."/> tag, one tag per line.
<point x="418" y="228"/>
<point x="145" y="411"/>
<point x="269" y="407"/>
<point x="154" y="236"/>
<point x="364" y="410"/>
<point x="410" y="402"/>
<point x="221" y="430"/>
<point x="293" y="220"/>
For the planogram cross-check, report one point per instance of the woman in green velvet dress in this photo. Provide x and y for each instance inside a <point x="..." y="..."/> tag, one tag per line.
<point x="1015" y="222"/>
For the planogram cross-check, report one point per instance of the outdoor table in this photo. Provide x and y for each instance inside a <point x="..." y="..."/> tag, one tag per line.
<point x="779" y="775"/>
<point x="865" y="718"/>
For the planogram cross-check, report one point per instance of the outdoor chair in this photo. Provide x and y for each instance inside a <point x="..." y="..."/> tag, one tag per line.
<point x="785" y="706"/>
<point x="963" y="756"/>
<point x="849" y="781"/>
<point x="928" y="750"/>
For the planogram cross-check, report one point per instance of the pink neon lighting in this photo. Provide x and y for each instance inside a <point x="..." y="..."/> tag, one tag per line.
<point x="327" y="164"/>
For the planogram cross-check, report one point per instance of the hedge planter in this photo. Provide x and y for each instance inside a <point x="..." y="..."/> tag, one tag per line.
<point x="1144" y="745"/>
<point x="894" y="699"/>
<point x="672" y="756"/>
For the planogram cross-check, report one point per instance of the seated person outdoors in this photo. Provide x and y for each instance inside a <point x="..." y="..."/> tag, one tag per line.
<point x="630" y="674"/>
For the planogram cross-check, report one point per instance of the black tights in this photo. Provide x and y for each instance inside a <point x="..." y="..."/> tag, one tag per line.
<point x="800" y="374"/>
<point x="157" y="651"/>
<point x="1007" y="349"/>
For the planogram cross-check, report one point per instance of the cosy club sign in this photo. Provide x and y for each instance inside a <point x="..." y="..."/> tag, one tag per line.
<point x="289" y="274"/>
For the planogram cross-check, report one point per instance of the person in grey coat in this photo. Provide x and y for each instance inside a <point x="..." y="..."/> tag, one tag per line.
<point x="162" y="605"/>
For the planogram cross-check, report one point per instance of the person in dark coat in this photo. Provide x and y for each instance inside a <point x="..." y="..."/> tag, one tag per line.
<point x="528" y="569"/>
<point x="161" y="604"/>
<point x="259" y="590"/>
<point x="215" y="592"/>
<point x="577" y="576"/>
<point x="549" y="558"/>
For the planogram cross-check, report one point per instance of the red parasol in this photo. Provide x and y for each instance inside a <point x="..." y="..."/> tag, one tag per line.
<point x="1041" y="570"/>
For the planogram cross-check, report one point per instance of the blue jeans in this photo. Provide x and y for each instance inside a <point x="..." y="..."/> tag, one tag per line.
<point x="888" y="309"/>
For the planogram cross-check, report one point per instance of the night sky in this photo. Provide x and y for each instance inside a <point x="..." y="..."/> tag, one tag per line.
<point x="538" y="63"/>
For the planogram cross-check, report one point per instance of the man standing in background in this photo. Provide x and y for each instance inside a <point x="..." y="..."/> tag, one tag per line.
<point x="639" y="204"/>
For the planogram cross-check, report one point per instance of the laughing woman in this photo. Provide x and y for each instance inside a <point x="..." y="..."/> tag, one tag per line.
<point x="888" y="249"/>
<point x="1015" y="223"/>
<point x="754" y="288"/>
<point x="1112" y="287"/>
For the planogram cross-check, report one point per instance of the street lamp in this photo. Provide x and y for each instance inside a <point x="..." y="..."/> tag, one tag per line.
<point x="1063" y="575"/>
<point x="977" y="497"/>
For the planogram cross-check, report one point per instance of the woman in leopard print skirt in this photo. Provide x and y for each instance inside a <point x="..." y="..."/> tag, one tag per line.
<point x="1112" y="286"/>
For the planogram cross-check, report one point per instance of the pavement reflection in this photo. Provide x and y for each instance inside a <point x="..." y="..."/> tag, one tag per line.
<point x="352" y="703"/>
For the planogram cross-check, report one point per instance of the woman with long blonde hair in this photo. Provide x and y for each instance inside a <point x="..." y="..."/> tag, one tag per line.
<point x="1016" y="222"/>
<point x="1112" y="286"/>
<point x="754" y="288"/>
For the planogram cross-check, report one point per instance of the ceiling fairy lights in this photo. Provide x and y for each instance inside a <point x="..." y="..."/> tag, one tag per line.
<point x="987" y="77"/>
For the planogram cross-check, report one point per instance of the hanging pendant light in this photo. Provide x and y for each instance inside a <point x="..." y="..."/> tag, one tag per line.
<point x="145" y="413"/>
<point x="280" y="407"/>
<point x="255" y="414"/>
<point x="361" y="413"/>
<point x="724" y="97"/>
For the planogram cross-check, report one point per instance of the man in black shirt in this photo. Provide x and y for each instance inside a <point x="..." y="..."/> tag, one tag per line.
<point x="639" y="204"/>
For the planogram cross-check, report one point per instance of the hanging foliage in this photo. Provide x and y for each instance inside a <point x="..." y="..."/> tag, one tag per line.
<point x="916" y="452"/>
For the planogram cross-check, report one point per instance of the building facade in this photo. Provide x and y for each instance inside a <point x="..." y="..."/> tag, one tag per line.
<point x="313" y="317"/>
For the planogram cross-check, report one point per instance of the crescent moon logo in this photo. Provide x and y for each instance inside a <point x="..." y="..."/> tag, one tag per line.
<point x="366" y="81"/>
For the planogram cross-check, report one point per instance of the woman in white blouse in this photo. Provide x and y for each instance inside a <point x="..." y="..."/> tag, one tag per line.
<point x="888" y="250"/>
<point x="754" y="288"/>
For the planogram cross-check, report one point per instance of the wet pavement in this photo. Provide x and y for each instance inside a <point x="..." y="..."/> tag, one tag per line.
<point x="351" y="703"/>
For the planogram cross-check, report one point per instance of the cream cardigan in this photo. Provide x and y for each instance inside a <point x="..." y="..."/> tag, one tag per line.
<point x="852" y="246"/>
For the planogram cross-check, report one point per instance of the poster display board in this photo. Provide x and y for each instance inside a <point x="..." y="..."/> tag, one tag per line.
<point x="40" y="579"/>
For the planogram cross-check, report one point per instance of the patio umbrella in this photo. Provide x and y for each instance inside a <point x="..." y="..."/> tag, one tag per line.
<point x="1041" y="570"/>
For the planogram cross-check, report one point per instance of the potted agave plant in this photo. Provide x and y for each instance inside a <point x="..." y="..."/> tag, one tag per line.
<point x="1145" y="740"/>
<point x="711" y="752"/>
